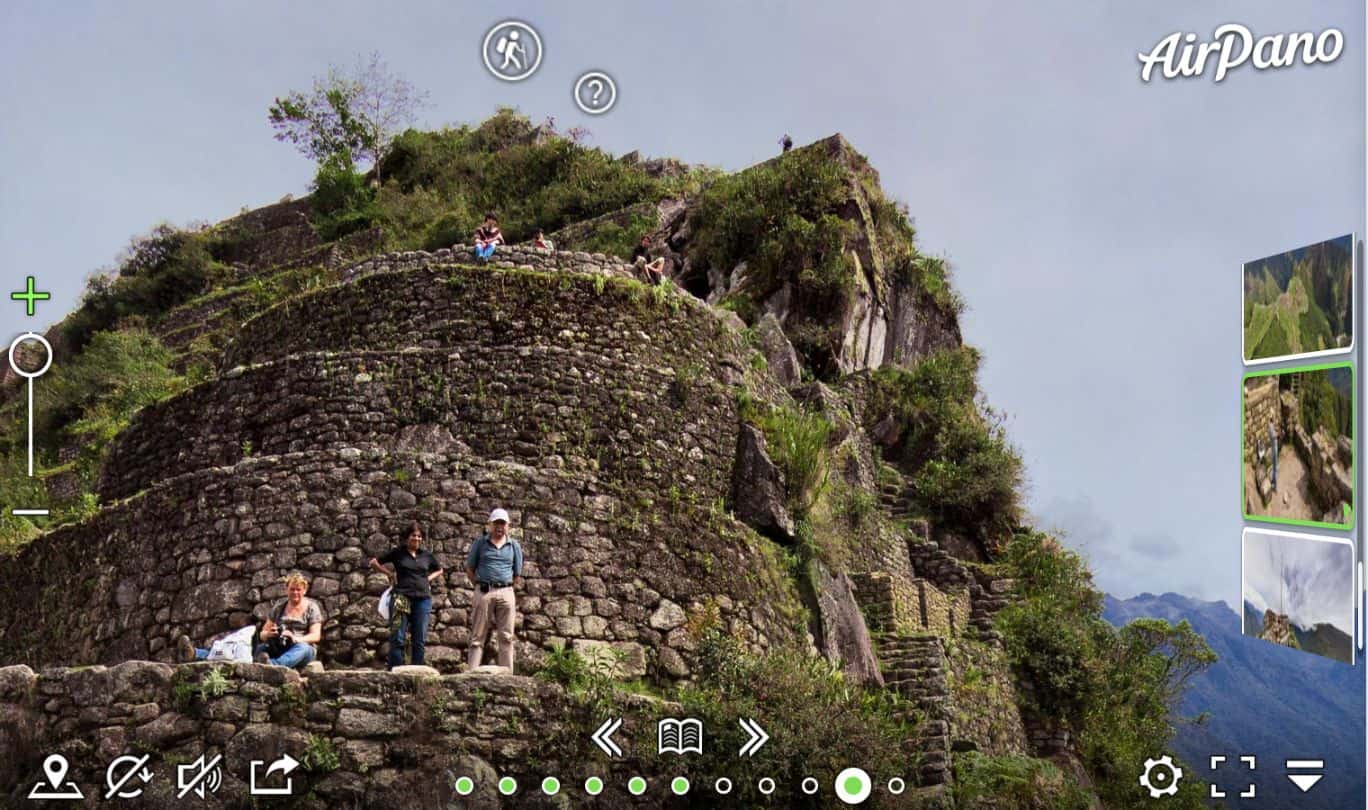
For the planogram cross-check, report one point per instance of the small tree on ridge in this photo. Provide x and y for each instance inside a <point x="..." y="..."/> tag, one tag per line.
<point x="351" y="113"/>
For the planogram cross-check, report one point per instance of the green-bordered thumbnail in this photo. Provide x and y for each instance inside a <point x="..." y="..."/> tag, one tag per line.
<point x="1297" y="446"/>
<point x="1300" y="302"/>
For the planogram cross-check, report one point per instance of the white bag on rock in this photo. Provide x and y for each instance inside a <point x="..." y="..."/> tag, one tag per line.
<point x="236" y="646"/>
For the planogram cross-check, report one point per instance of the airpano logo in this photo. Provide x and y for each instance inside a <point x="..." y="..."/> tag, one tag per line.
<point x="1233" y="46"/>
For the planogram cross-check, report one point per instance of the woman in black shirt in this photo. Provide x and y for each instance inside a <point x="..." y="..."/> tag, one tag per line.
<point x="414" y="569"/>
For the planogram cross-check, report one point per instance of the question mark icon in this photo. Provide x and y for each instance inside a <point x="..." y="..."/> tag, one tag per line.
<point x="595" y="92"/>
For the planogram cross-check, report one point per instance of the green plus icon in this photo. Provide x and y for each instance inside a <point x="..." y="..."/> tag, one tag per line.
<point x="29" y="296"/>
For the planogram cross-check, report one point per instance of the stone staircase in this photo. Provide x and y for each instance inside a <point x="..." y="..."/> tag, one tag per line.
<point x="896" y="499"/>
<point x="914" y="667"/>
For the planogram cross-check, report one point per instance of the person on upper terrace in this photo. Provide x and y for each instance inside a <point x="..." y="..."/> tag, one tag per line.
<point x="411" y="598"/>
<point x="487" y="237"/>
<point x="541" y="241"/>
<point x="650" y="271"/>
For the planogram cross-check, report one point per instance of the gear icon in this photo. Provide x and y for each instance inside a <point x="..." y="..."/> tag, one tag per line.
<point x="1161" y="777"/>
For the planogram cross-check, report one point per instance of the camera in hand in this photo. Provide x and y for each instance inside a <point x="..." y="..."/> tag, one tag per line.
<point x="278" y="645"/>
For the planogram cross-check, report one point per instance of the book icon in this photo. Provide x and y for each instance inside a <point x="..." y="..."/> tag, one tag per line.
<point x="675" y="736"/>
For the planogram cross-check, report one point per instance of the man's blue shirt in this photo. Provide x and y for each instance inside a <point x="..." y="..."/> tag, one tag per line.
<point x="495" y="564"/>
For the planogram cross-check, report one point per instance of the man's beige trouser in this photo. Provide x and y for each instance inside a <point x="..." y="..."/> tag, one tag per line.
<point x="495" y="611"/>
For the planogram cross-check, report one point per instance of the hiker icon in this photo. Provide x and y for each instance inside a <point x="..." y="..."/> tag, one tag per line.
<point x="512" y="51"/>
<point x="55" y="768"/>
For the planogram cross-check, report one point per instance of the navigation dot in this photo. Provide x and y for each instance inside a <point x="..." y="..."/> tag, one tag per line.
<point x="636" y="785"/>
<point x="465" y="785"/>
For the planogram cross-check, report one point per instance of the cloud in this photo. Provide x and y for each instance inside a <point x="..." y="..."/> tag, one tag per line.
<point x="1154" y="545"/>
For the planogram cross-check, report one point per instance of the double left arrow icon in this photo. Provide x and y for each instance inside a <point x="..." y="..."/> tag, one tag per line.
<point x="603" y="738"/>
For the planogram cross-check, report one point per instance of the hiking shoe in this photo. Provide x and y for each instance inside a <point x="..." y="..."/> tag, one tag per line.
<point x="185" y="650"/>
<point x="262" y="658"/>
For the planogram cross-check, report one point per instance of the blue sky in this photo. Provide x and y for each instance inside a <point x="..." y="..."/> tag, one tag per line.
<point x="1096" y="224"/>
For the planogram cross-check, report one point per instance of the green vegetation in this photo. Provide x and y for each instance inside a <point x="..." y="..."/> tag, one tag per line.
<point x="1323" y="406"/>
<point x="439" y="185"/>
<point x="82" y="404"/>
<point x="157" y="272"/>
<point x="797" y="443"/>
<point x="320" y="755"/>
<point x="782" y="219"/>
<point x="1115" y="690"/>
<point x="1015" y="783"/>
<point x="952" y="446"/>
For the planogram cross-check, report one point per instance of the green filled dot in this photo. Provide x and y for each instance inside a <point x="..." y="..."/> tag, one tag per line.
<point x="853" y="784"/>
<point x="550" y="786"/>
<point x="680" y="785"/>
<point x="508" y="785"/>
<point x="465" y="786"/>
<point x="593" y="786"/>
<point x="636" y="785"/>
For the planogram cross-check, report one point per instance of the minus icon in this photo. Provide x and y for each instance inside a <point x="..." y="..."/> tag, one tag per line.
<point x="29" y="512"/>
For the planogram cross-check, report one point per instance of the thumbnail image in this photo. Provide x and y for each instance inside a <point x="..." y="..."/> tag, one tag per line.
<point x="1298" y="446"/>
<point x="1298" y="591"/>
<point x="1300" y="303"/>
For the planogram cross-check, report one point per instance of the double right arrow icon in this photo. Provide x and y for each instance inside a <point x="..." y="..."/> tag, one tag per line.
<point x="757" y="740"/>
<point x="603" y="738"/>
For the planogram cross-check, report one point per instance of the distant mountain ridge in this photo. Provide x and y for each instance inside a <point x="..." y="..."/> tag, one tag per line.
<point x="1272" y="702"/>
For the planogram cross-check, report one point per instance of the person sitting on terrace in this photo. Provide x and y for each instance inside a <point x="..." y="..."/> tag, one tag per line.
<point x="541" y="241"/>
<point x="290" y="636"/>
<point x="650" y="271"/>
<point x="487" y="237"/>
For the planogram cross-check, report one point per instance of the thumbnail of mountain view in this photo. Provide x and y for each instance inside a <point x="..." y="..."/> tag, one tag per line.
<point x="1300" y="301"/>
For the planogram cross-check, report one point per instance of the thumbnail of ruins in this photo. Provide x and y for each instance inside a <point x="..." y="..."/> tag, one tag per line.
<point x="1298" y="446"/>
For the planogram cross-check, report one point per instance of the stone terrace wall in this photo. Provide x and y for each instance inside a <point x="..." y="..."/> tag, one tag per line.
<point x="1260" y="411"/>
<point x="432" y="307"/>
<point x="206" y="552"/>
<point x="524" y="257"/>
<point x="634" y="421"/>
<point x="399" y="740"/>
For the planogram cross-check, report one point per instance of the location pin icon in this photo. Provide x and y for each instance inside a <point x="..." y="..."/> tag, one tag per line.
<point x="55" y="767"/>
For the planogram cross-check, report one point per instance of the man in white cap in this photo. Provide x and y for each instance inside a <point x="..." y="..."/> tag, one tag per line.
<point x="494" y="567"/>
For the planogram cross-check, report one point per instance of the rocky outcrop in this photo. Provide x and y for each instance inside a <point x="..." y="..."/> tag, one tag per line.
<point x="758" y="489"/>
<point x="778" y="351"/>
<point x="887" y="319"/>
<point x="1278" y="629"/>
<point x="839" y="627"/>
